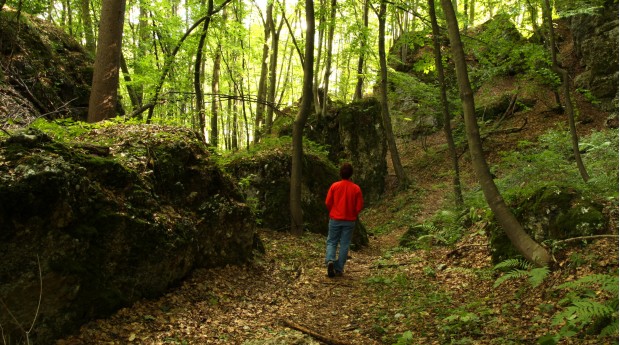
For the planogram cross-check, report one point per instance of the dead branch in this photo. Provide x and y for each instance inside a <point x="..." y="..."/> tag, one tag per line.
<point x="580" y="238"/>
<point x="508" y="130"/>
<point x="318" y="336"/>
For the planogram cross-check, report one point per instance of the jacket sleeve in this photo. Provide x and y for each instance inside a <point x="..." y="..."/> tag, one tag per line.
<point x="360" y="202"/>
<point x="329" y="200"/>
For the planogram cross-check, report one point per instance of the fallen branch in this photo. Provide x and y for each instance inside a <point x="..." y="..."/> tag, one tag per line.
<point x="580" y="238"/>
<point x="320" y="337"/>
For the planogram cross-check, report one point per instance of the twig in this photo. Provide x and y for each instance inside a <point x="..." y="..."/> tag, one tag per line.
<point x="318" y="336"/>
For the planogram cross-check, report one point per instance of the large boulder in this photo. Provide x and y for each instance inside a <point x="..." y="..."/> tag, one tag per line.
<point x="94" y="224"/>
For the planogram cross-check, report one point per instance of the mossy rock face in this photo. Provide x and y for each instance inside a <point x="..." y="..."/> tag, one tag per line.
<point x="48" y="72"/>
<point x="109" y="229"/>
<point x="551" y="213"/>
<point x="266" y="181"/>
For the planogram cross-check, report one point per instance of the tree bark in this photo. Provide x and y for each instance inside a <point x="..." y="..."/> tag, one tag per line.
<point x="328" y="62"/>
<point x="215" y="97"/>
<point x="566" y="88"/>
<point x="360" y="61"/>
<point x="456" y="180"/>
<point x="88" y="27"/>
<point x="300" y="121"/>
<point x="200" y="104"/>
<point x="104" y="92"/>
<point x="385" y="110"/>
<point x="531" y="250"/>
<point x="264" y="70"/>
<point x="273" y="67"/>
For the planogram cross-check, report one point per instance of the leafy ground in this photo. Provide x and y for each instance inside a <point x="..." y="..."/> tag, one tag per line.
<point x="389" y="294"/>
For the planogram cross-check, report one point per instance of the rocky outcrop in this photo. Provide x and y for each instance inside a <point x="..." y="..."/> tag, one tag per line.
<point x="264" y="177"/>
<point x="595" y="40"/>
<point x="45" y="71"/>
<point x="118" y="214"/>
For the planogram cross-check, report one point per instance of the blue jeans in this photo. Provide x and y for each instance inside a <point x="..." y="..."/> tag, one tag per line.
<point x="340" y="232"/>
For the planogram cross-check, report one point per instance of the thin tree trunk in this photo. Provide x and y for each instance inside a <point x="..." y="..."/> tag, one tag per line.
<point x="531" y="250"/>
<point x="215" y="96"/>
<point x="298" y="126"/>
<point x="264" y="71"/>
<point x="385" y="111"/>
<point x="273" y="66"/>
<point x="360" y="62"/>
<point x="317" y="65"/>
<point x="328" y="62"/>
<point x="104" y="92"/>
<point x="200" y="104"/>
<point x="133" y="97"/>
<point x="88" y="27"/>
<point x="570" y="112"/>
<point x="456" y="180"/>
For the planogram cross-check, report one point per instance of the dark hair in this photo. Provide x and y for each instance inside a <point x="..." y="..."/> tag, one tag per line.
<point x="346" y="171"/>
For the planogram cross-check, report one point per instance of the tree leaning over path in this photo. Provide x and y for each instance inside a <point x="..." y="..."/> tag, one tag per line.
<point x="531" y="250"/>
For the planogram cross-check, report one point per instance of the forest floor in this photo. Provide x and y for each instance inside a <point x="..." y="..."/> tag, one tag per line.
<point x="441" y="295"/>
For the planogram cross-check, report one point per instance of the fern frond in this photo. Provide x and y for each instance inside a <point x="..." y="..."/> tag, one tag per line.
<point x="514" y="274"/>
<point x="538" y="275"/>
<point x="606" y="282"/>
<point x="513" y="263"/>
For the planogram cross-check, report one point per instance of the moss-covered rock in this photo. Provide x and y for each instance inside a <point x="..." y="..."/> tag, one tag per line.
<point x="107" y="229"/>
<point x="551" y="213"/>
<point x="265" y="179"/>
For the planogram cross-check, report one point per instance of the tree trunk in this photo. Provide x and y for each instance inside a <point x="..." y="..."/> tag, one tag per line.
<point x="385" y="111"/>
<point x="328" y="62"/>
<point x="531" y="250"/>
<point x="317" y="65"/>
<point x="215" y="97"/>
<point x="566" y="88"/>
<point x="200" y="104"/>
<point x="264" y="70"/>
<point x="133" y="97"/>
<point x="273" y="67"/>
<point x="300" y="121"/>
<point x="104" y="92"/>
<point x="89" y="36"/>
<point x="456" y="180"/>
<point x="359" y="87"/>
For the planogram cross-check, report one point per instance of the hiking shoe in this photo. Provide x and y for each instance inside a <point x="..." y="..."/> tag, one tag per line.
<point x="338" y="274"/>
<point x="331" y="272"/>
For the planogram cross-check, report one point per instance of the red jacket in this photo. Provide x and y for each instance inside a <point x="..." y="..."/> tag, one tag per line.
<point x="344" y="200"/>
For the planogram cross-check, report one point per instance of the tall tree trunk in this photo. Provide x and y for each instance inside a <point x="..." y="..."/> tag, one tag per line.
<point x="385" y="110"/>
<point x="359" y="87"/>
<point x="273" y="67"/>
<point x="456" y="180"/>
<point x="215" y="97"/>
<point x="300" y="121"/>
<point x="133" y="97"/>
<point x="566" y="88"/>
<point x="328" y="62"/>
<point x="531" y="250"/>
<point x="317" y="66"/>
<point x="264" y="71"/>
<point x="89" y="36"/>
<point x="200" y="104"/>
<point x="104" y="91"/>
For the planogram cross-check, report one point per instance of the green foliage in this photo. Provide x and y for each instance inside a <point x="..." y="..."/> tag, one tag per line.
<point x="591" y="306"/>
<point x="404" y="339"/>
<point x="444" y="228"/>
<point x="550" y="163"/>
<point x="519" y="268"/>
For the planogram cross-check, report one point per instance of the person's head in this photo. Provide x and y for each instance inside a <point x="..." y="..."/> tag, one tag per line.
<point x="346" y="171"/>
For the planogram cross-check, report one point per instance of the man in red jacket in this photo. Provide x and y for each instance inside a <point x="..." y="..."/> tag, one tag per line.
<point x="344" y="202"/>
